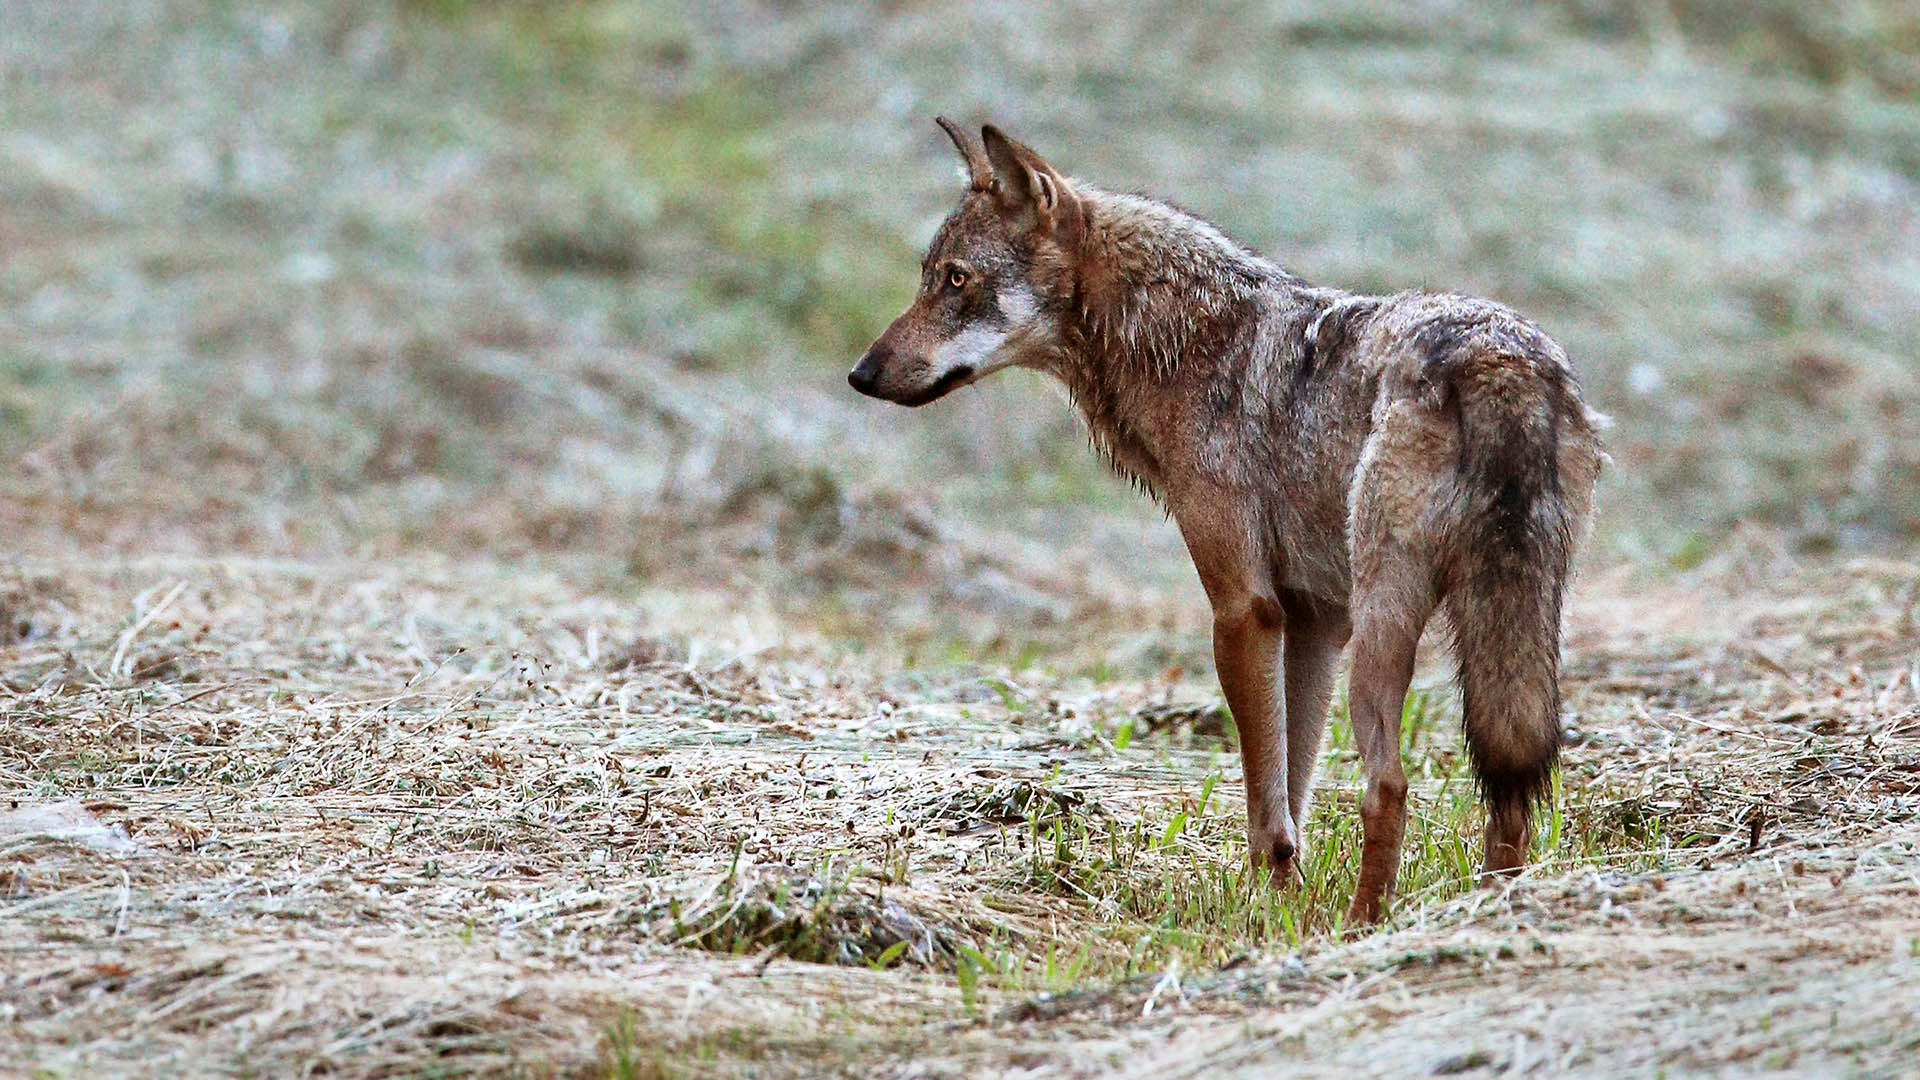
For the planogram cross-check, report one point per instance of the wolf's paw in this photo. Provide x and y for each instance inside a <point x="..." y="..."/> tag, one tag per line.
<point x="1279" y="855"/>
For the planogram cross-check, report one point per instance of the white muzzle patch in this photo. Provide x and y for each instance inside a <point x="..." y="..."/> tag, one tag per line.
<point x="981" y="347"/>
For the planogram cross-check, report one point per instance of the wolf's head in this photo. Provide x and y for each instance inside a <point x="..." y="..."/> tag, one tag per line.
<point x="987" y="282"/>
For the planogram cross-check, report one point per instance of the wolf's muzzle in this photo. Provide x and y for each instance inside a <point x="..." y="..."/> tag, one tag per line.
<point x="865" y="376"/>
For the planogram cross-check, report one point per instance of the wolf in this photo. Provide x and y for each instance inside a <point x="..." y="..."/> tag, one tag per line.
<point x="1340" y="466"/>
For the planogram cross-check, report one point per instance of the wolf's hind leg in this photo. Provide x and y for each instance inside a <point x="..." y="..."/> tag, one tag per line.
<point x="1406" y="466"/>
<point x="1388" y="617"/>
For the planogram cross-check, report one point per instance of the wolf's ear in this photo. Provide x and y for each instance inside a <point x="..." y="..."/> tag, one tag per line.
<point x="1023" y="180"/>
<point x="979" y="171"/>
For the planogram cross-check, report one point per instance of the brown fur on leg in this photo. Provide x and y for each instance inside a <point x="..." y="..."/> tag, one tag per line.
<point x="1314" y="639"/>
<point x="1509" y="827"/>
<point x="1248" y="624"/>
<point x="1382" y="670"/>
<point x="1246" y="650"/>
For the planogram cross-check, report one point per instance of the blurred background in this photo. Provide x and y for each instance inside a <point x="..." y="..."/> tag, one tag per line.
<point x="577" y="283"/>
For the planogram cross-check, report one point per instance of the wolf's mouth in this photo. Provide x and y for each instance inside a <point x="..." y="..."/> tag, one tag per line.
<point x="940" y="388"/>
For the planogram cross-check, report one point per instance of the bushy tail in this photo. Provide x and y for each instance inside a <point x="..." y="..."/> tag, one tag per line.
<point x="1513" y="546"/>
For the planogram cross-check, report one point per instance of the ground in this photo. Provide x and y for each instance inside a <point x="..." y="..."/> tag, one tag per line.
<point x="276" y="817"/>
<point x="454" y="618"/>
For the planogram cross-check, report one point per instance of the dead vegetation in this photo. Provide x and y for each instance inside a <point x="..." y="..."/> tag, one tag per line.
<point x="491" y="821"/>
<point x="454" y="621"/>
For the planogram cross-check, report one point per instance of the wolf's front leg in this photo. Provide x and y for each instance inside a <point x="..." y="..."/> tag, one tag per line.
<point x="1315" y="636"/>
<point x="1246" y="652"/>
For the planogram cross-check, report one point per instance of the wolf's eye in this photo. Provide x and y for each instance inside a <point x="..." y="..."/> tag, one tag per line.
<point x="956" y="279"/>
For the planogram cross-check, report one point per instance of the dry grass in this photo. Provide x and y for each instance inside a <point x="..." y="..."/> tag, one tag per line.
<point x="288" y="818"/>
<point x="456" y="621"/>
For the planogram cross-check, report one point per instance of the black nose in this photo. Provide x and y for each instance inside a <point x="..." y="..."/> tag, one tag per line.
<point x="865" y="376"/>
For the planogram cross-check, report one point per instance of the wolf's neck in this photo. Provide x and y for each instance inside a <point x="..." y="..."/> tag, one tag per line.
<point x="1157" y="286"/>
<point x="1165" y="305"/>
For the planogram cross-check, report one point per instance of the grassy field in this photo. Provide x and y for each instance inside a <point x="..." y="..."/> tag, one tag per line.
<point x="454" y="619"/>
<point x="456" y="818"/>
